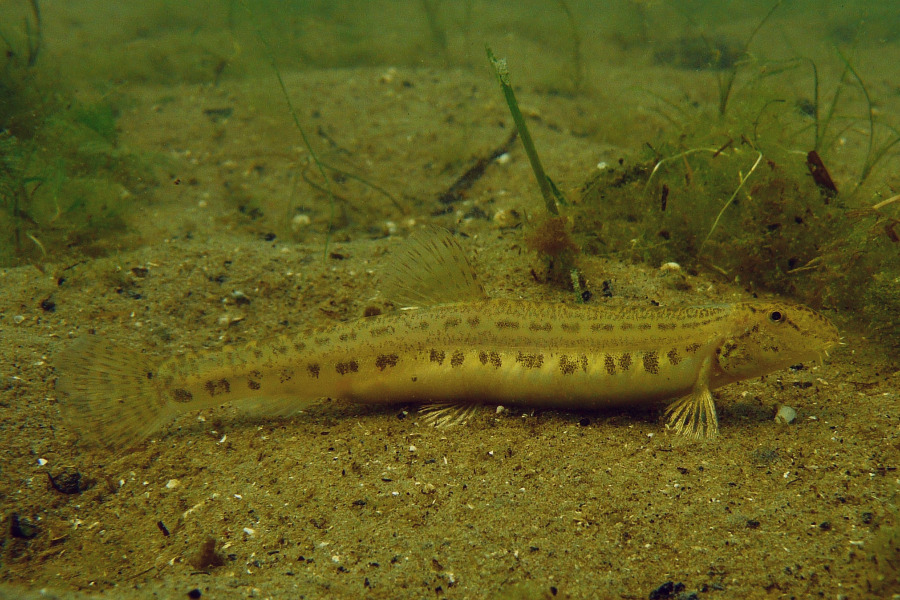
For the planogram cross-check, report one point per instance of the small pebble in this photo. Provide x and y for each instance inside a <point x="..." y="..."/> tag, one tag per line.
<point x="18" y="319"/>
<point x="785" y="415"/>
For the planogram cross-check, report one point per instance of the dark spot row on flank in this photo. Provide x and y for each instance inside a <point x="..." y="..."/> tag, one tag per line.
<point x="253" y="379"/>
<point x="490" y="357"/>
<point x="651" y="362"/>
<point x="350" y="366"/>
<point x="456" y="359"/>
<point x="547" y="327"/>
<point x="568" y="365"/>
<point x="452" y="322"/>
<point x="181" y="395"/>
<point x="507" y="324"/>
<point x="473" y="321"/>
<point x="217" y="387"/>
<point x="530" y="361"/>
<point x="285" y="375"/>
<point x="386" y="360"/>
<point x="673" y="356"/>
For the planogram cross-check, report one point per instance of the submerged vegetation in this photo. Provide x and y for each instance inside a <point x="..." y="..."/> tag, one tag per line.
<point x="64" y="178"/>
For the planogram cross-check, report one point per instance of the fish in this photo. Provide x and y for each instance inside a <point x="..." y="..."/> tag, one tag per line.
<point x="449" y="348"/>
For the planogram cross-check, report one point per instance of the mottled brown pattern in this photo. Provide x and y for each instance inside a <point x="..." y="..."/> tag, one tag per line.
<point x="321" y="341"/>
<point x="644" y="326"/>
<point x="437" y="356"/>
<point x="181" y="395"/>
<point x="610" y="363"/>
<point x="217" y="387"/>
<point x="286" y="375"/>
<point x="382" y="331"/>
<point x="530" y="361"/>
<point x="507" y="324"/>
<point x="299" y="346"/>
<point x="692" y="348"/>
<point x="541" y="327"/>
<point x="651" y="362"/>
<point x="626" y="326"/>
<point x="351" y="366"/>
<point x="313" y="370"/>
<point x="456" y="359"/>
<point x="570" y="327"/>
<point x="602" y="327"/>
<point x="625" y="361"/>
<point x="452" y="322"/>
<point x="666" y="326"/>
<point x="473" y="321"/>
<point x="674" y="358"/>
<point x="253" y="385"/>
<point x="386" y="360"/>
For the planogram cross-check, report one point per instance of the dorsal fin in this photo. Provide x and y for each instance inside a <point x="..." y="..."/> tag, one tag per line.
<point x="431" y="268"/>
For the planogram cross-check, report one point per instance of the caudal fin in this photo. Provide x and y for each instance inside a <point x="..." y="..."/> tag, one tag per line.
<point x="112" y="397"/>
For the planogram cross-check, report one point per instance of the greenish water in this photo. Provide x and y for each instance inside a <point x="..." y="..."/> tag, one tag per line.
<point x="188" y="175"/>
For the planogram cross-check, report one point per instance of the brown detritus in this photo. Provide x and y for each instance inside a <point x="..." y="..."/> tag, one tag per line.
<point x="206" y="556"/>
<point x="553" y="241"/>
<point x="551" y="238"/>
<point x="821" y="175"/>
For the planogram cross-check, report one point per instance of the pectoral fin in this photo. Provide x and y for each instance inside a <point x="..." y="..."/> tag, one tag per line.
<point x="695" y="415"/>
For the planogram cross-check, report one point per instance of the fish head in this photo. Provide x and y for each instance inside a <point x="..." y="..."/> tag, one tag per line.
<point x="770" y="336"/>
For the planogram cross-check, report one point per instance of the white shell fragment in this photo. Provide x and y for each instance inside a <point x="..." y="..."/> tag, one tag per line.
<point x="785" y="415"/>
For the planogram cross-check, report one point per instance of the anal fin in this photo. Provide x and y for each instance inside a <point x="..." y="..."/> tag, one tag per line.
<point x="447" y="414"/>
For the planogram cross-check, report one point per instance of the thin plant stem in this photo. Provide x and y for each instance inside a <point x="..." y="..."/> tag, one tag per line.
<point x="502" y="72"/>
<point x="743" y="180"/>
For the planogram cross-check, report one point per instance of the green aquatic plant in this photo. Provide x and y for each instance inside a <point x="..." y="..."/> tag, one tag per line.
<point x="548" y="191"/>
<point x="875" y="152"/>
<point x="725" y="79"/>
<point x="577" y="57"/>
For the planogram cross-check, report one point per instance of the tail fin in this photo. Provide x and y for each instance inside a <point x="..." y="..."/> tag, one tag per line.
<point x="113" y="397"/>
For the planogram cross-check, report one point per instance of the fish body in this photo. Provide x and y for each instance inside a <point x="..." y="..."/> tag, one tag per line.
<point x="454" y="345"/>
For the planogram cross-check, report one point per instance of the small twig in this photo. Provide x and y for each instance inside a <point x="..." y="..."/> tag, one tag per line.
<point x="475" y="172"/>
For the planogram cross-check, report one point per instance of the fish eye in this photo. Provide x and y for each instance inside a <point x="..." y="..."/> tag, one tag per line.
<point x="776" y="316"/>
